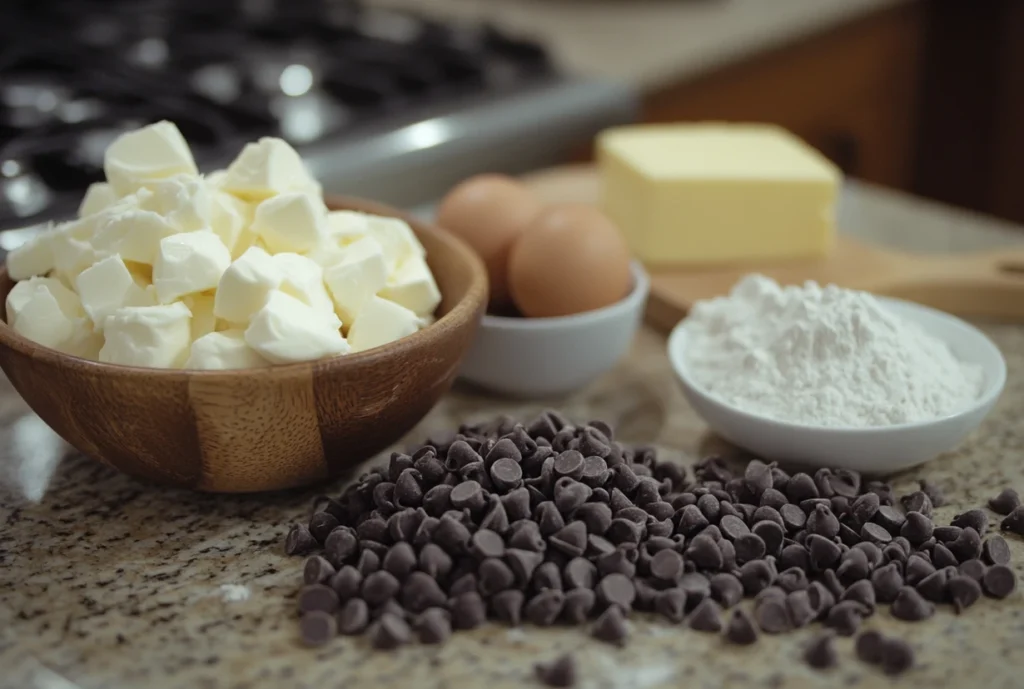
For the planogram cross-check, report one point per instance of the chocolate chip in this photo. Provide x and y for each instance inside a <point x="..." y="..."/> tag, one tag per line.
<point x="996" y="551"/>
<point x="910" y="606"/>
<point x="793" y="518"/>
<point x="999" y="581"/>
<point x="317" y="570"/>
<point x="801" y="611"/>
<point x="733" y="527"/>
<point x="740" y="629"/>
<point x="870" y="646"/>
<point x="526" y="535"/>
<point x="831" y="580"/>
<point x="468" y="610"/>
<point x="897" y="656"/>
<point x="598" y="546"/>
<point x="706" y="616"/>
<point x="728" y="551"/>
<point x="749" y="547"/>
<point x="671" y="604"/>
<point x="595" y="471"/>
<point x="933" y="586"/>
<point x="569" y="463"/>
<point x="853" y="566"/>
<point x="861" y="592"/>
<point x="755" y="576"/>
<point x="570" y="539"/>
<point x="967" y="546"/>
<point x="346" y="582"/>
<point x="794" y="555"/>
<point x="578" y="604"/>
<point x="400" y="560"/>
<point x="917" y="568"/>
<point x="408" y="492"/>
<point x="299" y="541"/>
<point x="379" y="587"/>
<point x="517" y="504"/>
<point x="353" y="617"/>
<point x="726" y="589"/>
<point x="494" y="576"/>
<point x="547" y="576"/>
<point x="434" y="626"/>
<point x="758" y="477"/>
<point x="963" y="592"/>
<point x="772" y="616"/>
<point x="1014" y="521"/>
<point x="321" y="525"/>
<point x="615" y="562"/>
<point x="389" y="632"/>
<point x="792" y="579"/>
<point x="876" y="533"/>
<point x="845" y="617"/>
<point x="545" y="607"/>
<point x="771" y="534"/>
<point x="610" y="627"/>
<point x="368" y="562"/>
<point x="436" y="500"/>
<point x="1005" y="502"/>
<point x="549" y="518"/>
<point x="776" y="592"/>
<point x="580" y="573"/>
<point x="889" y="518"/>
<point x="917" y="528"/>
<point x="468" y="494"/>
<point x="624" y="531"/>
<point x="820" y="653"/>
<point x="820" y="597"/>
<point x="486" y="543"/>
<point x="823" y="523"/>
<point x="617" y="590"/>
<point x="317" y="628"/>
<point x="975" y="519"/>
<point x="773" y="499"/>
<point x="318" y="597"/>
<point x="703" y="551"/>
<point x="597" y="517"/>
<point x="823" y="552"/>
<point x="974" y="569"/>
<point x="508" y="606"/>
<point x="690" y="520"/>
<point x="887" y="582"/>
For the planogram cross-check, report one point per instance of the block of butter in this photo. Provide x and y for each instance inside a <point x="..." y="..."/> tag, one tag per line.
<point x="712" y="193"/>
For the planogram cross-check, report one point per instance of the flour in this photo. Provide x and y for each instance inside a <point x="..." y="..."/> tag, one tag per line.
<point x="823" y="356"/>
<point x="234" y="593"/>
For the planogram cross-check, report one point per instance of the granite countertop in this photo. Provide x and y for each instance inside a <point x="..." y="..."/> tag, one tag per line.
<point x="106" y="582"/>
<point x="653" y="43"/>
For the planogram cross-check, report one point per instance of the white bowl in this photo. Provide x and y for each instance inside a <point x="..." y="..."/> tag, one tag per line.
<point x="878" y="450"/>
<point x="541" y="357"/>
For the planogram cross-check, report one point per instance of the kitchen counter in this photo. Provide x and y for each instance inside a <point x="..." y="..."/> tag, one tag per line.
<point x="110" y="583"/>
<point x="654" y="43"/>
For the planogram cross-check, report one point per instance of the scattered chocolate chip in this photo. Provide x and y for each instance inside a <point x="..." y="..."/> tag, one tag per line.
<point x="772" y="615"/>
<point x="317" y="570"/>
<point x="577" y="605"/>
<point x="671" y="604"/>
<point x="887" y="582"/>
<point x="749" y="547"/>
<point x="706" y="617"/>
<point x="740" y="629"/>
<point x="389" y="632"/>
<point x="792" y="579"/>
<point x="870" y="646"/>
<point x="823" y="552"/>
<point x="318" y="597"/>
<point x="610" y="627"/>
<point x="933" y="491"/>
<point x="353" y="617"/>
<point x="571" y="539"/>
<point x="793" y="518"/>
<point x="617" y="590"/>
<point x="820" y="597"/>
<point x="434" y="626"/>
<point x="917" y="528"/>
<point x="317" y="627"/>
<point x="321" y="525"/>
<point x="975" y="519"/>
<point x="545" y="607"/>
<point x="910" y="606"/>
<point x="822" y="522"/>
<point x="468" y="610"/>
<point x="999" y="581"/>
<point x="794" y="555"/>
<point x="995" y="550"/>
<point x="379" y="587"/>
<point x="963" y="592"/>
<point x="897" y="656"/>
<point x="1014" y="521"/>
<point x="800" y="607"/>
<point x="547" y="576"/>
<point x="1006" y="502"/>
<point x="299" y="541"/>
<point x="845" y="617"/>
<point x="917" y="568"/>
<point x="755" y="576"/>
<point x="560" y="672"/>
<point x="917" y="501"/>
<point x="861" y="592"/>
<point x="368" y="562"/>
<point x="876" y="533"/>
<point x="820" y="653"/>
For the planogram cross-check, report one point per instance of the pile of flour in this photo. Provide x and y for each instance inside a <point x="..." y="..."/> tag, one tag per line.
<point x="823" y="356"/>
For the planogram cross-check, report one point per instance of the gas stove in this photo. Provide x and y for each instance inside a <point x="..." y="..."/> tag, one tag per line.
<point x="391" y="105"/>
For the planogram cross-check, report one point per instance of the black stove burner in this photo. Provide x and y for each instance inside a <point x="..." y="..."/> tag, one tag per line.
<point x="74" y="74"/>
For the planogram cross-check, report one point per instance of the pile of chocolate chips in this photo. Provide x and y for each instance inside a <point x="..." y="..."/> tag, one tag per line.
<point x="551" y="523"/>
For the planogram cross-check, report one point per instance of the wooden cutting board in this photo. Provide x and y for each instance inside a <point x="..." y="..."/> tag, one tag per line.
<point x="987" y="285"/>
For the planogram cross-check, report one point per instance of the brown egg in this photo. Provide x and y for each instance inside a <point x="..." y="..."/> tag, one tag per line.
<point x="489" y="212"/>
<point x="569" y="260"/>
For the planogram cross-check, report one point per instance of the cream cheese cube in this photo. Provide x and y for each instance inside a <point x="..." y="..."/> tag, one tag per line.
<point x="187" y="263"/>
<point x="151" y="336"/>
<point x="203" y="320"/>
<point x="396" y="238"/>
<point x="146" y="155"/>
<point x="133" y="234"/>
<point x="221" y="351"/>
<point x="287" y="330"/>
<point x="185" y="201"/>
<point x="105" y="287"/>
<point x="266" y="168"/>
<point x="304" y="280"/>
<point x="45" y="311"/>
<point x="413" y="286"/>
<point x="229" y="219"/>
<point x="245" y="286"/>
<point x="361" y="274"/>
<point x="71" y="256"/>
<point x="290" y="222"/>
<point x="33" y="257"/>
<point x="380" y="322"/>
<point x="85" y="342"/>
<point x="98" y="196"/>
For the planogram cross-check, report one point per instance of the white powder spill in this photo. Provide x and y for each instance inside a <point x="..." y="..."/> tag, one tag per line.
<point x="234" y="593"/>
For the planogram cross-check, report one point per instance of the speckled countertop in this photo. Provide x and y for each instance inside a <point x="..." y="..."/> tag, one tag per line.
<point x="106" y="582"/>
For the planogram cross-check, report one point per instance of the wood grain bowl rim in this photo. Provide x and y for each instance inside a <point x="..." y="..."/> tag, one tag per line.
<point x="462" y="312"/>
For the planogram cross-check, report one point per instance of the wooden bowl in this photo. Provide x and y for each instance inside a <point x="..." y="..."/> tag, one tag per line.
<point x="258" y="429"/>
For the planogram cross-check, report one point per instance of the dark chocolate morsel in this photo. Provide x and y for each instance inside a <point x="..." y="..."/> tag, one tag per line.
<point x="400" y="560"/>
<point x="942" y="556"/>
<point x="772" y="615"/>
<point x="876" y="533"/>
<point x="579" y="573"/>
<point x="999" y="581"/>
<point x="1014" y="522"/>
<point x="801" y="610"/>
<point x="996" y="551"/>
<point x="346" y="582"/>
<point x="1006" y="502"/>
<point x="571" y="539"/>
<point x="820" y="653"/>
<point x="910" y="606"/>
<point x="706" y="617"/>
<point x="917" y="528"/>
<point x="755" y="576"/>
<point x="917" y="501"/>
<point x="578" y="604"/>
<point x="299" y="541"/>
<point x="963" y="592"/>
<point x="861" y="592"/>
<point x="321" y="525"/>
<point x="975" y="519"/>
<point x="758" y="477"/>
<point x="671" y="604"/>
<point x="667" y="565"/>
<point x="617" y="590"/>
<point x="610" y="627"/>
<point x="494" y="576"/>
<point x="434" y="626"/>
<point x="726" y="589"/>
<point x="545" y="607"/>
<point x="379" y="587"/>
<point x="887" y="582"/>
<point x="823" y="552"/>
<point x="845" y="617"/>
<point x="468" y="610"/>
<point x="740" y="629"/>
<point x="317" y="570"/>
<point x="317" y="627"/>
<point x="933" y="586"/>
<point x="749" y="547"/>
<point x="390" y="631"/>
<point x="318" y="597"/>
<point x="560" y="672"/>
<point x="353" y="617"/>
<point x="869" y="646"/>
<point x="916" y="569"/>
<point x="897" y="656"/>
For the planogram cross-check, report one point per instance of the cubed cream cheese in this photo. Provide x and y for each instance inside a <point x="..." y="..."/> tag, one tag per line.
<point x="187" y="263"/>
<point x="380" y="322"/>
<point x="230" y="218"/>
<point x="33" y="257"/>
<point x="396" y="239"/>
<point x="146" y="155"/>
<point x="304" y="280"/>
<point x="360" y="274"/>
<point x="225" y="350"/>
<point x="105" y="287"/>
<point x="245" y="285"/>
<point x="412" y="285"/>
<point x="98" y="196"/>
<point x="133" y="234"/>
<point x="290" y="222"/>
<point x="203" y="319"/>
<point x="266" y="168"/>
<point x="151" y="336"/>
<point x="184" y="201"/>
<point x="287" y="330"/>
<point x="45" y="311"/>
